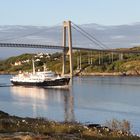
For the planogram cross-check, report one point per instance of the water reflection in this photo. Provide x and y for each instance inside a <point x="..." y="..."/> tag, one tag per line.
<point x="29" y="92"/>
<point x="35" y="97"/>
<point x="44" y="100"/>
<point x="69" y="107"/>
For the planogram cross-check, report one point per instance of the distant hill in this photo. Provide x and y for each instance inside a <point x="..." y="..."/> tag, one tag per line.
<point x="113" y="36"/>
<point x="106" y="64"/>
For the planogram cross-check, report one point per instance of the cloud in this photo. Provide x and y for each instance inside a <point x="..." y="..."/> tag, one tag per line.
<point x="117" y="37"/>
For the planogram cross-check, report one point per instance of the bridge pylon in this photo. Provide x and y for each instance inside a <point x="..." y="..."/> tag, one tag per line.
<point x="67" y="29"/>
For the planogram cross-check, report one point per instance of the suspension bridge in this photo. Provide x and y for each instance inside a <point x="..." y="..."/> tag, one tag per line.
<point x="68" y="49"/>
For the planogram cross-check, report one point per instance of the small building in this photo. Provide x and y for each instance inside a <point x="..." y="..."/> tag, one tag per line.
<point x="18" y="63"/>
<point x="37" y="60"/>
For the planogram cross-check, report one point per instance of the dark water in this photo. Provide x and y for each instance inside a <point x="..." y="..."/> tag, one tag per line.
<point x="89" y="99"/>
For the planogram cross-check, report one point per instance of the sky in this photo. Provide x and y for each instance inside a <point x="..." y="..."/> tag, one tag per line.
<point x="53" y="12"/>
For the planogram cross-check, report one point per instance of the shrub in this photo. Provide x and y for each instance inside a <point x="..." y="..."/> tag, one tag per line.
<point x="117" y="125"/>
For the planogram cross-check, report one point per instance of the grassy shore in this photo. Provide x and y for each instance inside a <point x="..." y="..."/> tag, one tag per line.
<point x="17" y="128"/>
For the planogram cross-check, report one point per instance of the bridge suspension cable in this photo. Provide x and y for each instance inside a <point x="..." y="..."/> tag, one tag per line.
<point x="90" y="37"/>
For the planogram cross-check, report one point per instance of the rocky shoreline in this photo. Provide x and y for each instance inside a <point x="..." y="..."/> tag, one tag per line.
<point x="109" y="74"/>
<point x="18" y="128"/>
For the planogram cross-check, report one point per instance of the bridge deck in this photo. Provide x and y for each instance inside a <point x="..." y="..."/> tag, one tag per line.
<point x="15" y="45"/>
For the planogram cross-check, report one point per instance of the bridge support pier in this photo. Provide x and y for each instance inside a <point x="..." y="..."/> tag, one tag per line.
<point x="67" y="26"/>
<point x="64" y="51"/>
<point x="112" y="57"/>
<point x="121" y="56"/>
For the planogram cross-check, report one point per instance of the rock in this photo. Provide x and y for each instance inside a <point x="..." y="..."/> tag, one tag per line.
<point x="94" y="125"/>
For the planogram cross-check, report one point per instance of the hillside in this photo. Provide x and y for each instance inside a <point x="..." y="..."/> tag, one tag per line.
<point x="91" y="63"/>
<point x="24" y="62"/>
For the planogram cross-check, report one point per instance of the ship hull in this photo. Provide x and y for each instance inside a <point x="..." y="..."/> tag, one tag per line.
<point x="48" y="83"/>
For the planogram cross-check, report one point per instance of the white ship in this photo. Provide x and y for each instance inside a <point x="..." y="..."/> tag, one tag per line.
<point x="42" y="79"/>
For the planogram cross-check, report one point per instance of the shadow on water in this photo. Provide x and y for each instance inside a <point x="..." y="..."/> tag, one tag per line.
<point x="44" y="98"/>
